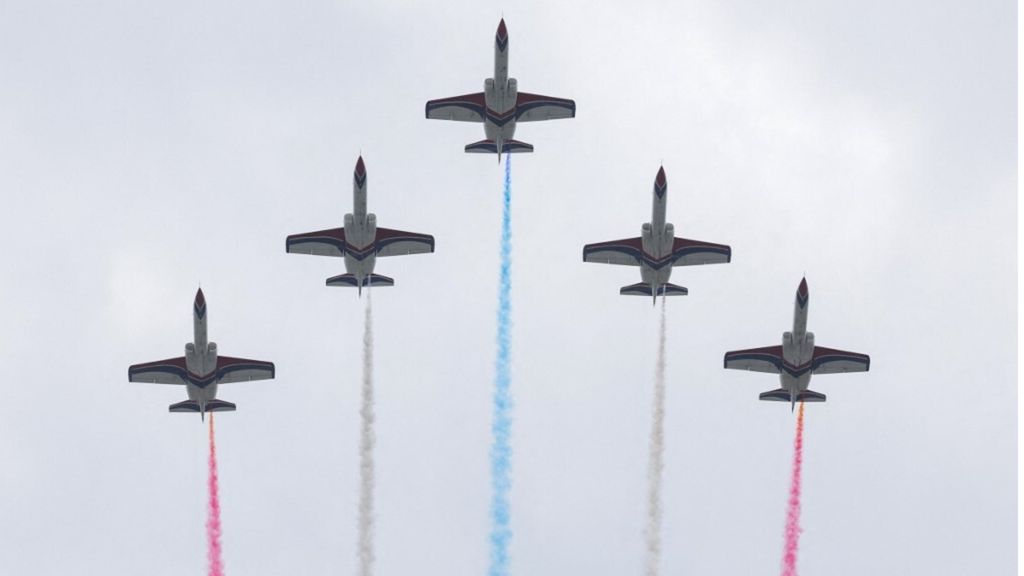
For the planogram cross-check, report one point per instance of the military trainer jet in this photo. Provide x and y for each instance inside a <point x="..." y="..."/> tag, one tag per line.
<point x="360" y="241"/>
<point x="656" y="251"/>
<point x="200" y="370"/>
<point x="500" y="106"/>
<point x="797" y="359"/>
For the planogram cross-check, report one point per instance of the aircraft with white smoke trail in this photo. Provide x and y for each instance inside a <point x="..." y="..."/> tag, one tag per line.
<point x="500" y="106"/>
<point x="797" y="359"/>
<point x="656" y="251"/>
<point x="201" y="369"/>
<point x="360" y="241"/>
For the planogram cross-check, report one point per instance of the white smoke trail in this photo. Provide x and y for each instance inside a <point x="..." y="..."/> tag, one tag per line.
<point x="367" y="439"/>
<point x="654" y="464"/>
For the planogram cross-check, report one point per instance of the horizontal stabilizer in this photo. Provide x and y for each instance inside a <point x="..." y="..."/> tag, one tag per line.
<point x="515" y="146"/>
<point x="777" y="395"/>
<point x="350" y="280"/>
<point x="644" y="289"/>
<point x="482" y="147"/>
<point x="491" y="147"/>
<point x="810" y="396"/>
<point x="191" y="406"/>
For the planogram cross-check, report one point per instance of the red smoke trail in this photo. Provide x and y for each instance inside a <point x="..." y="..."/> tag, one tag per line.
<point x="793" y="510"/>
<point x="213" y="521"/>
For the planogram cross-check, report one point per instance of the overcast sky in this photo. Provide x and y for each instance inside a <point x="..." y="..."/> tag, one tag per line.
<point x="148" y="147"/>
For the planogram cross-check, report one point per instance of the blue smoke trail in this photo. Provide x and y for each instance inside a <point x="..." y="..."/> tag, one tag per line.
<point x="501" y="449"/>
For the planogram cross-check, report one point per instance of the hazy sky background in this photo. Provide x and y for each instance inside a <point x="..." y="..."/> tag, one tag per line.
<point x="148" y="147"/>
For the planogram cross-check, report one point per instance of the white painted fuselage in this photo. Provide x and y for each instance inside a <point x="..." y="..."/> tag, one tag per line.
<point x="798" y="345"/>
<point x="200" y="358"/>
<point x="657" y="237"/>
<point x="360" y="230"/>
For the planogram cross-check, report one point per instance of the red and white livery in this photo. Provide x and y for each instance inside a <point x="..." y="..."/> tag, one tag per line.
<point x="797" y="359"/>
<point x="500" y="106"/>
<point x="201" y="369"/>
<point x="360" y="241"/>
<point x="656" y="251"/>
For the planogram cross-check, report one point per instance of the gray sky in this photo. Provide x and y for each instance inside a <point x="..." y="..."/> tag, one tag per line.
<point x="145" y="149"/>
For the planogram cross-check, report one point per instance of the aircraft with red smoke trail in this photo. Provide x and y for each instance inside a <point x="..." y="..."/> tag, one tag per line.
<point x="500" y="106"/>
<point x="360" y="241"/>
<point x="201" y="369"/>
<point x="656" y="251"/>
<point x="797" y="359"/>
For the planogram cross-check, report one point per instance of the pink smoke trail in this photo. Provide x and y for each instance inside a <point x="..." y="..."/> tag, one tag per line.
<point x="793" y="509"/>
<point x="213" y="521"/>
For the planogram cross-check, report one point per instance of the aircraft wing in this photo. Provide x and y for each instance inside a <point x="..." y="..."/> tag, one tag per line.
<point x="768" y="359"/>
<point x="628" y="252"/>
<point x="689" y="252"/>
<point x="170" y="371"/>
<point x="533" y="107"/>
<point x="321" y="243"/>
<point x="465" y="108"/>
<point x="398" y="243"/>
<point x="832" y="361"/>
<point x="242" y="370"/>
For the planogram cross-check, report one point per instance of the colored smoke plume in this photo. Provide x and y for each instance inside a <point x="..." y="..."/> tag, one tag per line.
<point x="793" y="509"/>
<point x="652" y="532"/>
<point x="213" y="552"/>
<point x="501" y="449"/>
<point x="367" y="439"/>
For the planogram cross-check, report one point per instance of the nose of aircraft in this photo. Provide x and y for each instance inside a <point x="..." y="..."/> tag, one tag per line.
<point x="802" y="289"/>
<point x="360" y="168"/>
<point x="659" y="180"/>
<point x="200" y="303"/>
<point x="502" y="32"/>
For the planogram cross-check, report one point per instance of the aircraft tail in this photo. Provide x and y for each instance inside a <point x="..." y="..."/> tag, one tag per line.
<point x="783" y="395"/>
<point x="644" y="289"/>
<point x="192" y="407"/>
<point x="491" y="147"/>
<point x="351" y="281"/>
<point x="515" y="146"/>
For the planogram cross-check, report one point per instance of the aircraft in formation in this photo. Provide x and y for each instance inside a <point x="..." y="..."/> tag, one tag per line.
<point x="359" y="241"/>
<point x="500" y="106"/>
<point x="797" y="359"/>
<point x="201" y="369"/>
<point x="656" y="251"/>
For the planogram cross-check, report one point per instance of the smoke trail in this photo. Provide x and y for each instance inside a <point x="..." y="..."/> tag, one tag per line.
<point x="501" y="450"/>
<point x="213" y="519"/>
<point x="793" y="509"/>
<point x="654" y="463"/>
<point x="367" y="439"/>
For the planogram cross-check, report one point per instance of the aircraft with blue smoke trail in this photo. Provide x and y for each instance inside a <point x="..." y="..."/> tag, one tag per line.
<point x="656" y="251"/>
<point x="360" y="241"/>
<point x="201" y="369"/>
<point x="500" y="106"/>
<point x="797" y="359"/>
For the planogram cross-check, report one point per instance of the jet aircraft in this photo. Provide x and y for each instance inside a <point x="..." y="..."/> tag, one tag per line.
<point x="797" y="359"/>
<point x="500" y="106"/>
<point x="656" y="251"/>
<point x="360" y="241"/>
<point x="201" y="369"/>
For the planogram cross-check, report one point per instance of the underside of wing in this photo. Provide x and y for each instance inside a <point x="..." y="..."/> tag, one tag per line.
<point x="832" y="361"/>
<point x="534" y="107"/>
<point x="242" y="370"/>
<point x="398" y="242"/>
<point x="768" y="359"/>
<point x="689" y="252"/>
<point x="170" y="371"/>
<point x="628" y="252"/>
<point x="465" y="108"/>
<point x="329" y="242"/>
